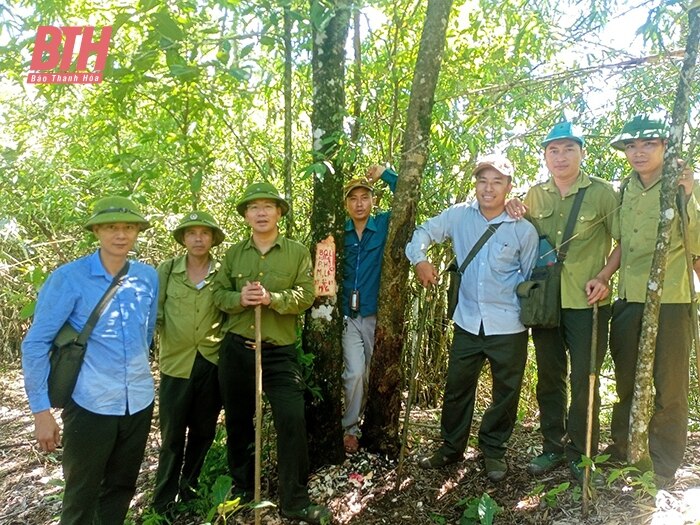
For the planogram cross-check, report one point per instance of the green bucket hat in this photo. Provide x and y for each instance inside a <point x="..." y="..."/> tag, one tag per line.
<point x="641" y="127"/>
<point x="109" y="210"/>
<point x="563" y="130"/>
<point x="261" y="190"/>
<point x="198" y="218"/>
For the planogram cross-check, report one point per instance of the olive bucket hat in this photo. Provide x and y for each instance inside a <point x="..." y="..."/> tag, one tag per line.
<point x="198" y="218"/>
<point x="261" y="190"/>
<point x="109" y="210"/>
<point x="563" y="130"/>
<point x="641" y="127"/>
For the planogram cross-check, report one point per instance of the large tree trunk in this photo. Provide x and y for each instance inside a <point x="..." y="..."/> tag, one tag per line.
<point x="642" y="402"/>
<point x="381" y="426"/>
<point x="324" y="321"/>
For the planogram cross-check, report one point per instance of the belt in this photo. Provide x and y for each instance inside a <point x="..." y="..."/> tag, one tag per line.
<point x="250" y="343"/>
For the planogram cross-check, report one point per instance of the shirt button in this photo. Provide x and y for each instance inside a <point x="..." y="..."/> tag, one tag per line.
<point x="240" y="275"/>
<point x="252" y="327"/>
<point x="559" y="232"/>
<point x="561" y="215"/>
<point x="260" y="274"/>
<point x="262" y="256"/>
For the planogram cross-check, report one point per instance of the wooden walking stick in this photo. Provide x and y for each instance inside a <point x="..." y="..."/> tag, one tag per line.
<point x="425" y="302"/>
<point x="258" y="410"/>
<point x="592" y="370"/>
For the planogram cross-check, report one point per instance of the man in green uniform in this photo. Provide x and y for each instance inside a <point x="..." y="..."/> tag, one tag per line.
<point x="273" y="272"/>
<point x="584" y="281"/>
<point x="190" y="335"/>
<point x="644" y="140"/>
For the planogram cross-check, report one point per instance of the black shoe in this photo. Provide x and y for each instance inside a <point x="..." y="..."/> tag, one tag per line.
<point x="617" y="456"/>
<point x="437" y="460"/>
<point x="313" y="514"/>
<point x="545" y="462"/>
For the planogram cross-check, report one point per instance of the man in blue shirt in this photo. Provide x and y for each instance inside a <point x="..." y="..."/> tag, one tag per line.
<point x="487" y="318"/>
<point x="106" y="423"/>
<point x="365" y="236"/>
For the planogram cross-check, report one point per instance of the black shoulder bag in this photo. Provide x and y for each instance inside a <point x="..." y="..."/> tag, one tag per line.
<point x="540" y="297"/>
<point x="68" y="349"/>
<point x="456" y="273"/>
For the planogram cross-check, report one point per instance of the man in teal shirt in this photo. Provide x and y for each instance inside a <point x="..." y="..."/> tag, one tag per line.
<point x="272" y="272"/>
<point x="190" y="335"/>
<point x="365" y="237"/>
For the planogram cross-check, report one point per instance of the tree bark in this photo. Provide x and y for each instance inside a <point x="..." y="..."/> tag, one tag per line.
<point x="381" y="426"/>
<point x="642" y="402"/>
<point x="287" y="168"/>
<point x="324" y="321"/>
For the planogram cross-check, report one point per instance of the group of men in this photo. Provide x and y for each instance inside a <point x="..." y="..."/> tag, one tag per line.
<point x="204" y="310"/>
<point x="486" y="323"/>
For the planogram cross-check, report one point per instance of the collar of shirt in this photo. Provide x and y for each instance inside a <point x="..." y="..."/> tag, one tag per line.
<point x="582" y="180"/>
<point x="503" y="217"/>
<point x="371" y="224"/>
<point x="97" y="268"/>
<point x="250" y="245"/>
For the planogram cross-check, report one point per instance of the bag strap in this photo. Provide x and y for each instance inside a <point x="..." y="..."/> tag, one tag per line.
<point x="479" y="244"/>
<point x="97" y="312"/>
<point x="564" y="247"/>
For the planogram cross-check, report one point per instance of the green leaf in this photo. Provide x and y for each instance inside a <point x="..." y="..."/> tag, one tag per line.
<point x="221" y="488"/>
<point x="27" y="310"/>
<point x="239" y="73"/>
<point x="167" y="27"/>
<point x="119" y="21"/>
<point x="488" y="509"/>
<point x="196" y="182"/>
<point x="246" y="51"/>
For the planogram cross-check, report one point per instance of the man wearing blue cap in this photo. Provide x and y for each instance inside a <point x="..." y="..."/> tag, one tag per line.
<point x="107" y="420"/>
<point x="584" y="281"/>
<point x="643" y="140"/>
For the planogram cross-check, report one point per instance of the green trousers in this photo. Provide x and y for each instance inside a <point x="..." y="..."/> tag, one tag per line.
<point x="668" y="427"/>
<point x="101" y="460"/>
<point x="188" y="411"/>
<point x="562" y="350"/>
<point x="506" y="355"/>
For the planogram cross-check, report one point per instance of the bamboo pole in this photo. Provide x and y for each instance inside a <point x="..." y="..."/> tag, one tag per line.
<point x="258" y="411"/>
<point x="592" y="370"/>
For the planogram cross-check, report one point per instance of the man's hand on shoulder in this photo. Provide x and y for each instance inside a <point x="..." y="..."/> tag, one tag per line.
<point x="515" y="208"/>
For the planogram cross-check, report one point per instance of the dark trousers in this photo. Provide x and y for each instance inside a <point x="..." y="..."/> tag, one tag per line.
<point x="284" y="387"/>
<point x="669" y="424"/>
<point x="189" y="409"/>
<point x="507" y="355"/>
<point x="101" y="460"/>
<point x="572" y="337"/>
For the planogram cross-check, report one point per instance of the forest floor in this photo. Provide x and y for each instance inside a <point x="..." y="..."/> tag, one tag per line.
<point x="363" y="489"/>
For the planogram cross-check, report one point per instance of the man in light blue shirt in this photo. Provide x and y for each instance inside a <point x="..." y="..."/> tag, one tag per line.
<point x="107" y="421"/>
<point x="487" y="318"/>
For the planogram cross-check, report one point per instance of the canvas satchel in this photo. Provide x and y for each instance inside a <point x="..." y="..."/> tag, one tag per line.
<point x="540" y="296"/>
<point x="455" y="273"/>
<point x="69" y="346"/>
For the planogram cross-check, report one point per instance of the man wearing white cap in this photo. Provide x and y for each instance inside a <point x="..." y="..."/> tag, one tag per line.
<point x="487" y="317"/>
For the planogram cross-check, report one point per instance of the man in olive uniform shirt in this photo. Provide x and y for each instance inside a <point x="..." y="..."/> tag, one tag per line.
<point x="190" y="335"/>
<point x="273" y="272"/>
<point x="584" y="281"/>
<point x="644" y="140"/>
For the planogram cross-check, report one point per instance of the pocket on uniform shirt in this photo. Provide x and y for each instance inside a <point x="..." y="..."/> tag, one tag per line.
<point x="503" y="256"/>
<point x="585" y="225"/>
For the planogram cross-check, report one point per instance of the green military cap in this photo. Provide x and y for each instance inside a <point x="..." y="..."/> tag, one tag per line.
<point x="261" y="190"/>
<point x="199" y="218"/>
<point x="109" y="210"/>
<point x="563" y="130"/>
<point x="641" y="127"/>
